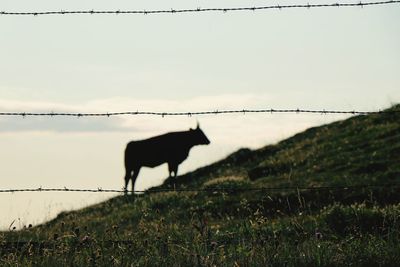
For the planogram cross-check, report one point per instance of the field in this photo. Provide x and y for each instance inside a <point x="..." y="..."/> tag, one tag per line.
<point x="232" y="214"/>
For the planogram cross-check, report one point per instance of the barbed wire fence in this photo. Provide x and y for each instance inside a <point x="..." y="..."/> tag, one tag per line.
<point x="194" y="113"/>
<point x="207" y="189"/>
<point x="49" y="244"/>
<point x="198" y="9"/>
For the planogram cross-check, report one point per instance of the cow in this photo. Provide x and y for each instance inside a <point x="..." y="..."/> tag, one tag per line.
<point x="172" y="148"/>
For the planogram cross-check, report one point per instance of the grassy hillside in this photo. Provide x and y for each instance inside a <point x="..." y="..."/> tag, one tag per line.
<point x="362" y="149"/>
<point x="241" y="226"/>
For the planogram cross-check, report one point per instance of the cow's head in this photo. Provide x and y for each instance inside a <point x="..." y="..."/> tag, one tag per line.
<point x="199" y="138"/>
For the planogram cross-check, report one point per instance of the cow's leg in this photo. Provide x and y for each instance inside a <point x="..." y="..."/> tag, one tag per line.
<point x="172" y="168"/>
<point x="128" y="175"/>
<point x="175" y="170"/>
<point x="134" y="176"/>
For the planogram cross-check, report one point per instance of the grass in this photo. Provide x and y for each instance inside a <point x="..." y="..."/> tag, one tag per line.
<point x="357" y="226"/>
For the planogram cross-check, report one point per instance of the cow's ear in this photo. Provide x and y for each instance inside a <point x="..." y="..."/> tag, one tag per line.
<point x="190" y="129"/>
<point x="198" y="125"/>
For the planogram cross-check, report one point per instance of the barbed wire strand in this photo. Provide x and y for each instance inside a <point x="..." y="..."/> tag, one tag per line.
<point x="208" y="189"/>
<point x="193" y="113"/>
<point x="199" y="9"/>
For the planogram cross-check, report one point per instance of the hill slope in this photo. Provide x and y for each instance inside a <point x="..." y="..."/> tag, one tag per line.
<point x="242" y="226"/>
<point x="362" y="149"/>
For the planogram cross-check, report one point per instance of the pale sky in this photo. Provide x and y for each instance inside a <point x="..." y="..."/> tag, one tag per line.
<point x="331" y="58"/>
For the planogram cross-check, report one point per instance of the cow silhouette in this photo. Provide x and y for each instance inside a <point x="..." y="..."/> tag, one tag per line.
<point x="172" y="148"/>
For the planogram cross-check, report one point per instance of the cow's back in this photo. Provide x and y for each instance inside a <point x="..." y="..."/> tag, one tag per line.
<point x="156" y="150"/>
